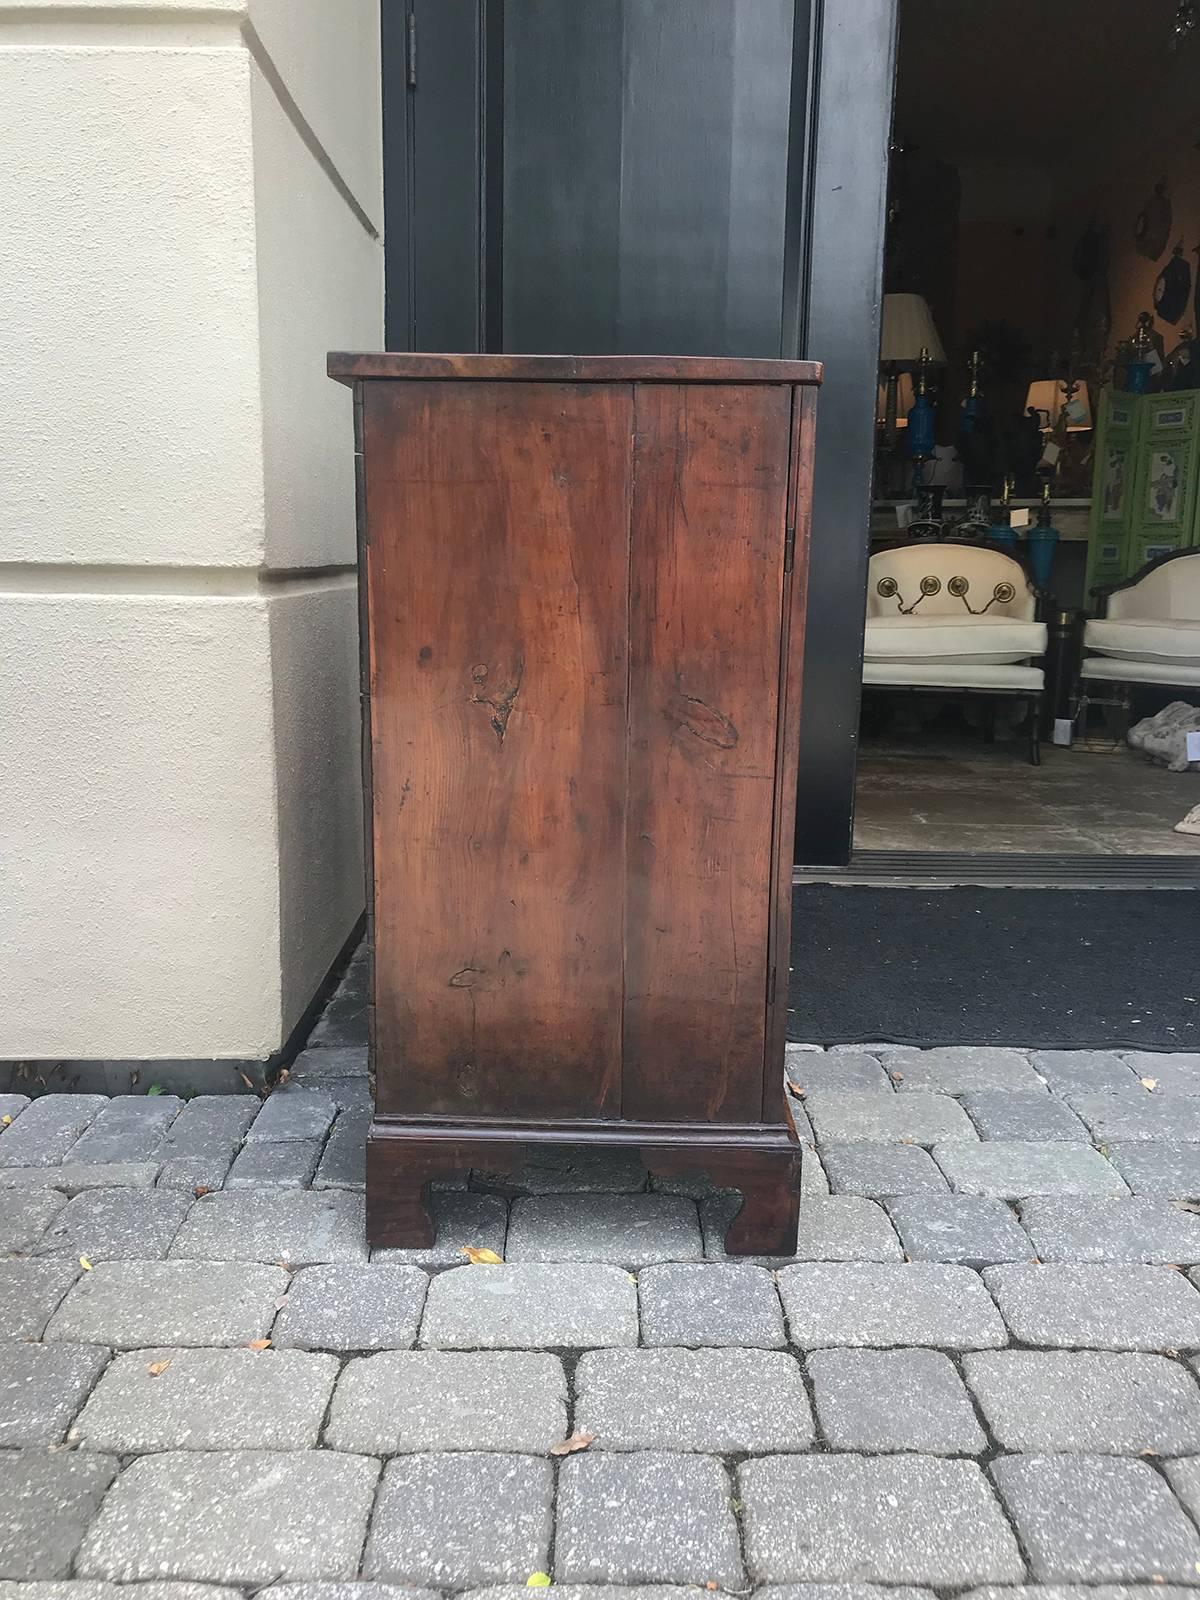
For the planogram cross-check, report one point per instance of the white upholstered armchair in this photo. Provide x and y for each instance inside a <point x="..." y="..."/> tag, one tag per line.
<point x="954" y="619"/>
<point x="1150" y="632"/>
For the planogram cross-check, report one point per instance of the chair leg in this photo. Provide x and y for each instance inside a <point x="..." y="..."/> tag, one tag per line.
<point x="1035" y="733"/>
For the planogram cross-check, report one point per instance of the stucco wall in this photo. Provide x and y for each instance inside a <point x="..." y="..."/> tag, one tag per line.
<point x="192" y="218"/>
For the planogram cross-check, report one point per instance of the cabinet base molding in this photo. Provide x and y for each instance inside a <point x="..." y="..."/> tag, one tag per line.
<point x="405" y="1154"/>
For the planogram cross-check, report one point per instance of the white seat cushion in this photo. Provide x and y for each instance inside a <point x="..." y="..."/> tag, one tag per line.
<point x="1122" y="669"/>
<point x="1176" y="642"/>
<point x="937" y="639"/>
<point x="952" y="675"/>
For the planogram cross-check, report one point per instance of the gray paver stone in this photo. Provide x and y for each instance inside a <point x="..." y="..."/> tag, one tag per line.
<point x="47" y="1500"/>
<point x="296" y="1226"/>
<point x="1098" y="1307"/>
<point x="1027" y="1116"/>
<point x="42" y="1387"/>
<point x="890" y="1304"/>
<point x="723" y="1304"/>
<point x="208" y="1400"/>
<point x="461" y="1219"/>
<point x="718" y="1402"/>
<point x="1121" y="1119"/>
<point x="346" y="1591"/>
<point x="961" y="1069"/>
<point x="1078" y="1591"/>
<point x="633" y="1230"/>
<point x="644" y="1519"/>
<point x="98" y="1589"/>
<point x="970" y="1229"/>
<point x="47" y="1128"/>
<point x="129" y="1128"/>
<point x="531" y="1305"/>
<point x="717" y="1212"/>
<point x="885" y="1400"/>
<point x="1012" y="1169"/>
<point x="116" y="1224"/>
<point x="285" y="1164"/>
<point x="845" y="1227"/>
<point x="75" y="1177"/>
<point x="456" y="1520"/>
<point x="344" y="1162"/>
<point x="1096" y="1518"/>
<point x="1176" y="1073"/>
<point x="866" y="1591"/>
<point x="1043" y="1400"/>
<point x="201" y="1143"/>
<point x="611" y="1591"/>
<point x="138" y="1304"/>
<point x="25" y="1214"/>
<point x="1072" y="1072"/>
<point x="1165" y="1169"/>
<point x="29" y="1293"/>
<point x="352" y="1308"/>
<point x="879" y="1170"/>
<point x="293" y="1112"/>
<point x="315" y="1066"/>
<point x="814" y="1185"/>
<point x="243" y="1516"/>
<point x="1185" y="1480"/>
<point x="898" y="1519"/>
<point x="922" y="1119"/>
<point x="406" y="1401"/>
<point x="819" y="1072"/>
<point x="1132" y="1229"/>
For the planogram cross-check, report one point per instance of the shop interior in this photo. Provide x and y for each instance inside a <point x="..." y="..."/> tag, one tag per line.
<point x="1032" y="661"/>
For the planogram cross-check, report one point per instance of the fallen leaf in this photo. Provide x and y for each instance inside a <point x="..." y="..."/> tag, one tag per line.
<point x="712" y="1584"/>
<point x="481" y="1257"/>
<point x="568" y="1447"/>
<point x="793" y="1088"/>
<point x="896" y="1077"/>
<point x="538" y="1580"/>
<point x="259" y="1344"/>
<point x="5" y="1119"/>
<point x="85" y="1263"/>
<point x="157" y="1367"/>
<point x="201" y="1192"/>
<point x="281" y="1302"/>
<point x="1149" y="1083"/>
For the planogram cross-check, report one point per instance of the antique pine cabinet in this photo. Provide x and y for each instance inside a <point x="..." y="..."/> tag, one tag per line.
<point x="583" y="599"/>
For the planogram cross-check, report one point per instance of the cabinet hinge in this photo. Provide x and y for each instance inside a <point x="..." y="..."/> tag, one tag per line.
<point x="789" y="549"/>
<point x="412" y="49"/>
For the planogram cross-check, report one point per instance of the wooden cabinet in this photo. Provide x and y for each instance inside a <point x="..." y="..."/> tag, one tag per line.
<point x="1144" y="488"/>
<point x="583" y="609"/>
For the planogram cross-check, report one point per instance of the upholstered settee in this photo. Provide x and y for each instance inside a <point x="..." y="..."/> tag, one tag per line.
<point x="1150" y="632"/>
<point x="955" y="619"/>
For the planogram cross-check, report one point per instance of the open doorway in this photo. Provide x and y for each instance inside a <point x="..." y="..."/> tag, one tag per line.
<point x="1032" y="596"/>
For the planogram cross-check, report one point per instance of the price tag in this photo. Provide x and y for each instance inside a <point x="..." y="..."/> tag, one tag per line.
<point x="1193" y="746"/>
<point x="1019" y="518"/>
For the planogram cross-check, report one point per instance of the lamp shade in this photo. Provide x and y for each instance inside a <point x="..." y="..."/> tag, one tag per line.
<point x="907" y="330"/>
<point x="1049" y="395"/>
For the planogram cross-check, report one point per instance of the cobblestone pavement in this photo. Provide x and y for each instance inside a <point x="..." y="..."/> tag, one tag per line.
<point x="977" y="1375"/>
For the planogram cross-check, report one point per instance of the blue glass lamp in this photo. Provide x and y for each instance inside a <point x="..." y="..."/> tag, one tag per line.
<point x="1043" y="542"/>
<point x="919" y="437"/>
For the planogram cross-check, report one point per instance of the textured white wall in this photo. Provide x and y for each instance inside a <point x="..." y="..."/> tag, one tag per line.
<point x="191" y="203"/>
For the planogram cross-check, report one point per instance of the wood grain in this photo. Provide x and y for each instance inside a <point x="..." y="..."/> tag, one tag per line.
<point x="347" y="367"/>
<point x="497" y="557"/>
<point x="707" y="556"/>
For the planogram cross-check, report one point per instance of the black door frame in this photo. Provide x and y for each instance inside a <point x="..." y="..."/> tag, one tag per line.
<point x="444" y="272"/>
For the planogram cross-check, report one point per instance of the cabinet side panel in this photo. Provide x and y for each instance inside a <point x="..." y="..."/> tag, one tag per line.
<point x="497" y="558"/>
<point x="710" y="485"/>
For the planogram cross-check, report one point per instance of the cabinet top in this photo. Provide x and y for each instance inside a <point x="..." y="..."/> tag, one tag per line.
<point x="348" y="367"/>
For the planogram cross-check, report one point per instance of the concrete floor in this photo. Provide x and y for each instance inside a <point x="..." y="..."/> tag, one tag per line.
<point x="946" y="790"/>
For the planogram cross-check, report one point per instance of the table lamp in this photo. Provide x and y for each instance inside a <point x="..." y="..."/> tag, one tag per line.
<point x="908" y="329"/>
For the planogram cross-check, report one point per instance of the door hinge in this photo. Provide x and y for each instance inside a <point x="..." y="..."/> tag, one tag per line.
<point x="771" y="987"/>
<point x="412" y="49"/>
<point x="789" y="549"/>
